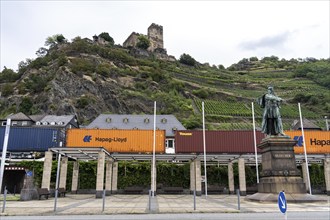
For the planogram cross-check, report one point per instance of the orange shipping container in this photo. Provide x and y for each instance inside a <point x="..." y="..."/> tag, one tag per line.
<point x="317" y="142"/>
<point x="121" y="141"/>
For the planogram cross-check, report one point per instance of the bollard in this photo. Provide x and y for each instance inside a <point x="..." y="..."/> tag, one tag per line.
<point x="55" y="201"/>
<point x="4" y="200"/>
<point x="103" y="197"/>
<point x="238" y="200"/>
<point x="149" y="200"/>
<point x="194" y="199"/>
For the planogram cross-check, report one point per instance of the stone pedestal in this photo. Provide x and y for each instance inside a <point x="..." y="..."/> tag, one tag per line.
<point x="279" y="169"/>
<point x="29" y="191"/>
<point x="280" y="173"/>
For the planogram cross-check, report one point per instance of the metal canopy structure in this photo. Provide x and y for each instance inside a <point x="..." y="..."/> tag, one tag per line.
<point x="92" y="154"/>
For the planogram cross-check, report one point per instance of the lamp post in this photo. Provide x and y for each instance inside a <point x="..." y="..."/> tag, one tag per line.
<point x="326" y="123"/>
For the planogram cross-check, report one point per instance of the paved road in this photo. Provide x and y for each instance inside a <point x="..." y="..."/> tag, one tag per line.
<point x="186" y="216"/>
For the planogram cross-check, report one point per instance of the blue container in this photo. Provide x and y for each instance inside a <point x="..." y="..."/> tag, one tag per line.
<point x="31" y="139"/>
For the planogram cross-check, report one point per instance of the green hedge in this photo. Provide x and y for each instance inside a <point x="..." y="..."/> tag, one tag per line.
<point x="132" y="173"/>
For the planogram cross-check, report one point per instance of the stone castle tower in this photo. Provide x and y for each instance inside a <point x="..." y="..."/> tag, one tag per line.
<point x="155" y="36"/>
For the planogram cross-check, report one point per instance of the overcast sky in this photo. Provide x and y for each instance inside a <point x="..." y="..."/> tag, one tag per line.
<point x="217" y="32"/>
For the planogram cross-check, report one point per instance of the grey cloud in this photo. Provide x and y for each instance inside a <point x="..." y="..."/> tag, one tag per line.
<point x="266" y="42"/>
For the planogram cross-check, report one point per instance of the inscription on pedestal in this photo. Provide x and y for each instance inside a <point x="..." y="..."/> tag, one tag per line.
<point x="282" y="156"/>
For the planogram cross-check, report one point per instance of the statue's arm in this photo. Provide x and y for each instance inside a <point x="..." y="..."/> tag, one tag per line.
<point x="274" y="98"/>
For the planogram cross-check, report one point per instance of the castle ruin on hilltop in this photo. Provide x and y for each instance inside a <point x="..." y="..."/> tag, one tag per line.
<point x="155" y="36"/>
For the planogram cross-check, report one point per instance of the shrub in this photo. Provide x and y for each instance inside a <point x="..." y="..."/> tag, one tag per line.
<point x="62" y="60"/>
<point x="103" y="69"/>
<point x="26" y="105"/>
<point x="39" y="62"/>
<point x="36" y="83"/>
<point x="187" y="59"/>
<point x="8" y="75"/>
<point x="120" y="55"/>
<point x="201" y="93"/>
<point x="143" y="42"/>
<point x="7" y="90"/>
<point x="107" y="38"/>
<point x="192" y="122"/>
<point x="83" y="101"/>
<point x="80" y="66"/>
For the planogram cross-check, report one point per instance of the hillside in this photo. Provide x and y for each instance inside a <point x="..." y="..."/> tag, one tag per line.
<point x="85" y="78"/>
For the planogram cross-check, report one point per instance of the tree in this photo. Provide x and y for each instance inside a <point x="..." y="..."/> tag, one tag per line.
<point x="41" y="52"/>
<point x="143" y="42"/>
<point x="221" y="67"/>
<point x="107" y="37"/>
<point x="8" y="75"/>
<point x="187" y="59"/>
<point x="26" y="105"/>
<point x="7" y="90"/>
<point x="51" y="41"/>
<point x="60" y="38"/>
<point x="252" y="59"/>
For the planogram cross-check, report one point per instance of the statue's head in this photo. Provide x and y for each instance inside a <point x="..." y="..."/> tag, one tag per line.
<point x="270" y="89"/>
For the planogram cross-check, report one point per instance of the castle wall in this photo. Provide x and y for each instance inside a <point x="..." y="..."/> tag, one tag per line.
<point x="132" y="40"/>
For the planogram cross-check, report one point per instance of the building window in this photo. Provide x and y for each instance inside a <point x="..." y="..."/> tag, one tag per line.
<point x="4" y="123"/>
<point x="174" y="129"/>
<point x="169" y="143"/>
<point x="125" y="120"/>
<point x="14" y="123"/>
<point x="108" y="120"/>
<point x="146" y="120"/>
<point x="24" y="123"/>
<point x="164" y="120"/>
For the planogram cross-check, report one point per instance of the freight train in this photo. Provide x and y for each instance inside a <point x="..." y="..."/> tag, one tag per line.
<point x="141" y="141"/>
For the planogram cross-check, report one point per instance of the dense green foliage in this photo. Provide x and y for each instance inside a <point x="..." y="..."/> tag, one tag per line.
<point x="143" y="42"/>
<point x="7" y="89"/>
<point x="8" y="75"/>
<point x="187" y="59"/>
<point x="318" y="71"/>
<point x="168" y="174"/>
<point x="26" y="106"/>
<point x="51" y="41"/>
<point x="107" y="37"/>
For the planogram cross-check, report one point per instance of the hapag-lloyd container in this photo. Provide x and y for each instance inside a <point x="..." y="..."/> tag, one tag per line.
<point x="121" y="141"/>
<point x="216" y="141"/>
<point x="23" y="139"/>
<point x="317" y="142"/>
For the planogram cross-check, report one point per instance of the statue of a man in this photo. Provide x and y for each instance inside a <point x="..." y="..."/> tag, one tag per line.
<point x="271" y="120"/>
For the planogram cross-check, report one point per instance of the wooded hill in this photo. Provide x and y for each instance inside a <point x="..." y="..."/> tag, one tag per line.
<point x="85" y="78"/>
